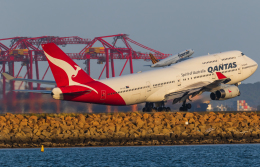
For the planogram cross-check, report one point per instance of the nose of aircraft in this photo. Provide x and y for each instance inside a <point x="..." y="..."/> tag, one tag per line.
<point x="254" y="65"/>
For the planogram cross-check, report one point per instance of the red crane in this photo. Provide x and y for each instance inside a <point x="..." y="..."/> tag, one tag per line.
<point x="28" y="50"/>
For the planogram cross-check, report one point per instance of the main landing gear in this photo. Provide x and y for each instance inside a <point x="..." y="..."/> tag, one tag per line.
<point x="185" y="106"/>
<point x="154" y="107"/>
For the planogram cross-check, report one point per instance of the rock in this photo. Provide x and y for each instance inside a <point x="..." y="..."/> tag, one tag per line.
<point x="45" y="133"/>
<point x="23" y="123"/>
<point x="156" y="130"/>
<point x="254" y="134"/>
<point x="19" y="117"/>
<point x="81" y="125"/>
<point x="43" y="127"/>
<point x="139" y="123"/>
<point x="190" y="126"/>
<point x="191" y="121"/>
<point x="81" y="118"/>
<point x="2" y="119"/>
<point x="2" y="124"/>
<point x="95" y="123"/>
<point x="68" y="118"/>
<point x="157" y="114"/>
<point x="33" y="117"/>
<point x="157" y="121"/>
<point x="15" y="121"/>
<point x="146" y="116"/>
<point x="69" y="122"/>
<point x="229" y="124"/>
<point x="9" y="116"/>
<point x="179" y="115"/>
<point x="27" y="130"/>
<point x="188" y="115"/>
<point x="166" y="131"/>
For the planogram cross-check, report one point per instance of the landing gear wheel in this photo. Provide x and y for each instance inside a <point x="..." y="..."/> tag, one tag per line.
<point x="149" y="109"/>
<point x="144" y="109"/>
<point x="188" y="106"/>
<point x="168" y="109"/>
<point x="185" y="106"/>
<point x="160" y="109"/>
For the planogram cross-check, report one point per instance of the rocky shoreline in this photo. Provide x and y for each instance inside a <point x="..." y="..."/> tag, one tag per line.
<point x="128" y="129"/>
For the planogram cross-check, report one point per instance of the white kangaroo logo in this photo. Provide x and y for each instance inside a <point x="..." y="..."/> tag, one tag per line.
<point x="70" y="71"/>
<point x="76" y="71"/>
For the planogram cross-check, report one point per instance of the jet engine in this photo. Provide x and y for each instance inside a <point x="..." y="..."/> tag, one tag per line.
<point x="225" y="93"/>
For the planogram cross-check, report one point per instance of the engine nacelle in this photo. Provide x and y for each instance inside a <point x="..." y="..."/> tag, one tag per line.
<point x="225" y="93"/>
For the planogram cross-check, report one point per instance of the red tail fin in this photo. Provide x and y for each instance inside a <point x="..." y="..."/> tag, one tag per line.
<point x="65" y="71"/>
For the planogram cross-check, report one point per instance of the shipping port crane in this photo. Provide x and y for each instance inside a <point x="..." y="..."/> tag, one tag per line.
<point x="27" y="50"/>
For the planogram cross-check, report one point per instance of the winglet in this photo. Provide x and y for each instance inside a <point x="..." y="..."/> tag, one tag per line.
<point x="220" y="75"/>
<point x="7" y="76"/>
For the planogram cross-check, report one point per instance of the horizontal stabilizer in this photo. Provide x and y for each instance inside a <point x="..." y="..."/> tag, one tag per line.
<point x="35" y="91"/>
<point x="11" y="78"/>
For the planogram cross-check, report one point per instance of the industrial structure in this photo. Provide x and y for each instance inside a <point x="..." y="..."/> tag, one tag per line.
<point x="28" y="50"/>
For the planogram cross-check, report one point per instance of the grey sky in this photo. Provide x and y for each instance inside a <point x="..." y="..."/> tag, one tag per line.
<point x="167" y="26"/>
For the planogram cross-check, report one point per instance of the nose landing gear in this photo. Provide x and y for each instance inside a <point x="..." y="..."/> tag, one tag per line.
<point x="185" y="106"/>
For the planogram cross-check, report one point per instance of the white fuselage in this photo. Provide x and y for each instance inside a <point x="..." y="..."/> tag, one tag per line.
<point x="174" y="59"/>
<point x="152" y="86"/>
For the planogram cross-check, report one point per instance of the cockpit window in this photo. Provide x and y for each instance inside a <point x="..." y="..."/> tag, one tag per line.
<point x="242" y="54"/>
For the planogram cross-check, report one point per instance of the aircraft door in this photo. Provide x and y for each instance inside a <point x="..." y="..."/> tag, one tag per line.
<point x="148" y="86"/>
<point x="239" y="69"/>
<point x="178" y="80"/>
<point x="213" y="75"/>
<point x="217" y="62"/>
<point x="103" y="95"/>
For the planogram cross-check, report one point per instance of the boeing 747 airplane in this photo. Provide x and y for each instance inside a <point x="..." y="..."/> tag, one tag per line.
<point x="218" y="73"/>
<point x="171" y="59"/>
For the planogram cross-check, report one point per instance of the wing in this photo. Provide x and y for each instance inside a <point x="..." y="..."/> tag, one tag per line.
<point x="73" y="93"/>
<point x="11" y="78"/>
<point x="196" y="89"/>
<point x="35" y="91"/>
<point x="183" y="59"/>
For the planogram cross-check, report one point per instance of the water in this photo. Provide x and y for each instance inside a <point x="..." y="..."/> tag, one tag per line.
<point x="197" y="155"/>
